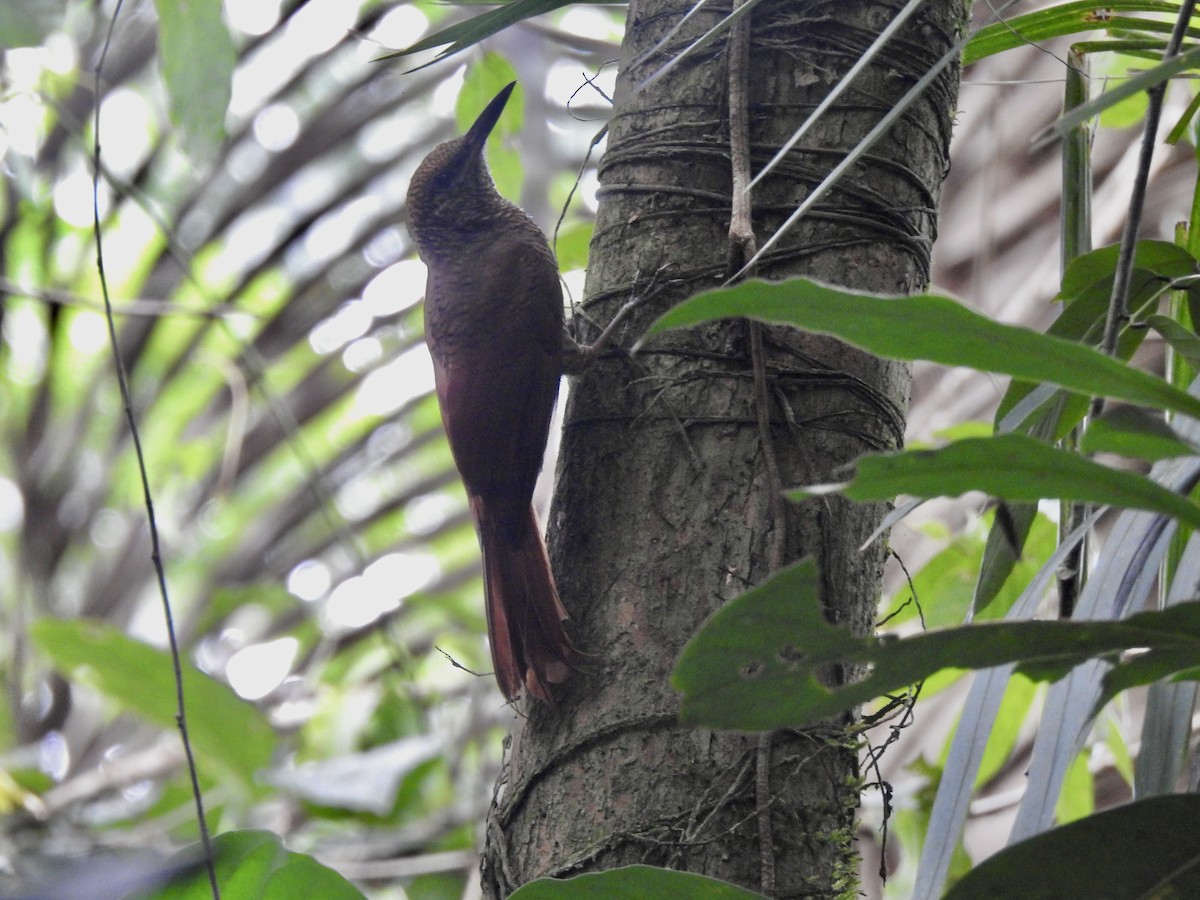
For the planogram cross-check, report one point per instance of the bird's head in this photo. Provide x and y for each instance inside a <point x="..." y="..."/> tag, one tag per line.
<point x="452" y="186"/>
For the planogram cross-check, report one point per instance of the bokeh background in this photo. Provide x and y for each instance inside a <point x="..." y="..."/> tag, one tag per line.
<point x="316" y="541"/>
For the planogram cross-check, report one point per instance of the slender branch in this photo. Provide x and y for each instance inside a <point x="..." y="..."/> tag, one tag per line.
<point x="159" y="759"/>
<point x="742" y="245"/>
<point x="1118" y="303"/>
<point x="137" y="307"/>
<point x="127" y="402"/>
<point x="1076" y="228"/>
<point x="1118" y="306"/>
<point x="741" y="251"/>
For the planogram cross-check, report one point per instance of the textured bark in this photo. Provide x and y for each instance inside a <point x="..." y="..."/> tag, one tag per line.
<point x="662" y="511"/>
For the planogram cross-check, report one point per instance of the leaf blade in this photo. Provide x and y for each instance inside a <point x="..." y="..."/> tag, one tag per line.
<point x="225" y="731"/>
<point x="1012" y="467"/>
<point x="195" y="47"/>
<point x="934" y="328"/>
<point x="759" y="662"/>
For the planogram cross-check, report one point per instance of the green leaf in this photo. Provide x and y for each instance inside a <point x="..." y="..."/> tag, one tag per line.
<point x="254" y="865"/>
<point x="485" y="78"/>
<point x="1019" y="538"/>
<point x="1138" y="83"/>
<point x="1182" y="341"/>
<point x="1179" y="129"/>
<point x="462" y="35"/>
<point x="1140" y="669"/>
<point x="574" y="241"/>
<point x="226" y="732"/>
<point x="26" y="23"/>
<point x="1086" y="291"/>
<point x="1006" y="730"/>
<point x="197" y="57"/>
<point x="947" y="585"/>
<point x="1122" y="760"/>
<point x="1133" y="431"/>
<point x="934" y="328"/>
<point x="1011" y="526"/>
<point x="632" y="883"/>
<point x="763" y="661"/>
<point x="1005" y="544"/>
<point x="437" y="886"/>
<point x="1078" y="796"/>
<point x="1127" y="112"/>
<point x="1010" y="466"/>
<point x="1143" y="849"/>
<point x="1161" y="259"/>
<point x="1055" y="21"/>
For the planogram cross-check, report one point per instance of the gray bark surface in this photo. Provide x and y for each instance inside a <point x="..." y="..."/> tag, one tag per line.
<point x="662" y="511"/>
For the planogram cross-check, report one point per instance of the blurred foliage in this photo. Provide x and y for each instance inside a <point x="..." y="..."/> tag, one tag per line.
<point x="323" y="571"/>
<point x="322" y="567"/>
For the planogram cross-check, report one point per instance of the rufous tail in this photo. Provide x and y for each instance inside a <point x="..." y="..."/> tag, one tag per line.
<point x="530" y="647"/>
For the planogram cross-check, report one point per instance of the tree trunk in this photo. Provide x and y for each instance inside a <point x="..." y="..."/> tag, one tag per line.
<point x="663" y="509"/>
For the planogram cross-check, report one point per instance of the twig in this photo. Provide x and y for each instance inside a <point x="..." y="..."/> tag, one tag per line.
<point x="1118" y="303"/>
<point x="155" y="549"/>
<point x="136" y="307"/>
<point x="741" y="251"/>
<point x="157" y="760"/>
<point x="1118" y="306"/>
<point x="454" y="662"/>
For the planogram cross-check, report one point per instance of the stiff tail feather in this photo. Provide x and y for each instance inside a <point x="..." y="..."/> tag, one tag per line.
<point x="530" y="647"/>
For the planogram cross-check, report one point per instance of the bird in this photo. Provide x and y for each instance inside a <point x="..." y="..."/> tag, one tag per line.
<point x="495" y="330"/>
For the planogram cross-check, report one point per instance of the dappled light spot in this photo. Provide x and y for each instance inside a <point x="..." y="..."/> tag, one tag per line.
<point x="310" y="580"/>
<point x="257" y="670"/>
<point x="350" y="321"/>
<point x="12" y="505"/>
<point x="393" y="385"/>
<point x="361" y="599"/>
<point x="401" y="26"/>
<point x="395" y="289"/>
<point x="277" y="126"/>
<point x="362" y="354"/>
<point x="54" y="755"/>
<point x="428" y="513"/>
<point x="252" y="16"/>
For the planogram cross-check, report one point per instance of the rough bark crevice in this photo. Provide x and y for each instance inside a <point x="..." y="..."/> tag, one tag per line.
<point x="662" y="512"/>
